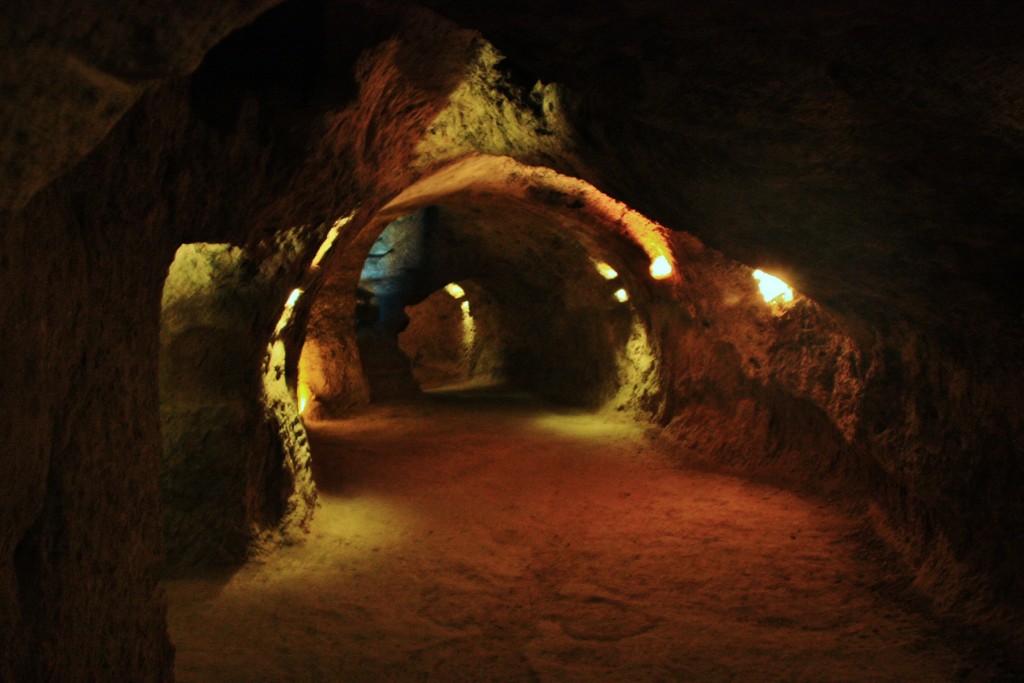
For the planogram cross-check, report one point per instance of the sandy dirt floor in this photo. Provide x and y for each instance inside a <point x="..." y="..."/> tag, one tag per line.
<point x="495" y="541"/>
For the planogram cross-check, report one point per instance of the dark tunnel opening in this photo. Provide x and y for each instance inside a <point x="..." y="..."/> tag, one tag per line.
<point x="542" y="291"/>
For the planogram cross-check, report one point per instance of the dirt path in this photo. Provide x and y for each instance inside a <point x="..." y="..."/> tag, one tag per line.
<point x="502" y="543"/>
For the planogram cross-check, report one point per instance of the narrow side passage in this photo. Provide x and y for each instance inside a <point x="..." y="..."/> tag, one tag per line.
<point x="469" y="539"/>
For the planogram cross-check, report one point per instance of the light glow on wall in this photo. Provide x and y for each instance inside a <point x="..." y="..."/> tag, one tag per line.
<point x="502" y="175"/>
<point x="468" y="330"/>
<point x="622" y="296"/>
<point x="661" y="267"/>
<point x="289" y="307"/>
<point x="455" y="291"/>
<point x="606" y="271"/>
<point x="774" y="290"/>
<point x="303" y="394"/>
<point x="332" y="235"/>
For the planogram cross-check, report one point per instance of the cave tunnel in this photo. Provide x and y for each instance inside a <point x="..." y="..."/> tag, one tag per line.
<point x="445" y="340"/>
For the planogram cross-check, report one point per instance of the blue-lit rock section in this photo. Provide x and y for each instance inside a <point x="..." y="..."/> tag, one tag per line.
<point x="391" y="278"/>
<point x="393" y="272"/>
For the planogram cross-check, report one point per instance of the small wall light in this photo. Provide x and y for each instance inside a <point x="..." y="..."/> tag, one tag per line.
<point x="303" y="394"/>
<point x="454" y="290"/>
<point x="621" y="295"/>
<point x="332" y="236"/>
<point x="774" y="290"/>
<point x="606" y="271"/>
<point x="286" y="314"/>
<point x="661" y="268"/>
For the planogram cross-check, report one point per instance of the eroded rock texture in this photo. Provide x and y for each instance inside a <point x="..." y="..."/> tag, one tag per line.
<point x="69" y="76"/>
<point x="235" y="466"/>
<point x="83" y="268"/>
<point x="870" y="154"/>
<point x="451" y="341"/>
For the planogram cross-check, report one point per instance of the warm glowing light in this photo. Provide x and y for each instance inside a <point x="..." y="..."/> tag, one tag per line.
<point x="332" y="235"/>
<point x="774" y="290"/>
<point x="622" y="296"/>
<point x="468" y="329"/>
<point x="286" y="314"/>
<point x="661" y="268"/>
<point x="600" y="425"/>
<point x="303" y="394"/>
<point x="455" y="291"/>
<point x="488" y="174"/>
<point x="607" y="272"/>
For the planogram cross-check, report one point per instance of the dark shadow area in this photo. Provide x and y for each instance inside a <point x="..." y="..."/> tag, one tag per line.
<point x="298" y="56"/>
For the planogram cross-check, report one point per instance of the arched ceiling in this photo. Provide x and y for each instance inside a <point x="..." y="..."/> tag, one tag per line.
<point x="872" y="150"/>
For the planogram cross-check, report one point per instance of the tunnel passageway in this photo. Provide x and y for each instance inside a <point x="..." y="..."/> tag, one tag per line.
<point x="483" y="537"/>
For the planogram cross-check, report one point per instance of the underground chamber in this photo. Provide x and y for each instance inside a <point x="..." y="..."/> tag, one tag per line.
<point x="542" y="285"/>
<point x="188" y="212"/>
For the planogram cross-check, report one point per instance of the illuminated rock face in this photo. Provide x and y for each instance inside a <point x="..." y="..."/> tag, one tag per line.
<point x="83" y="266"/>
<point x="206" y="404"/>
<point x="393" y="270"/>
<point x="868" y="156"/>
<point x="235" y="466"/>
<point x="452" y="341"/>
<point x="391" y="277"/>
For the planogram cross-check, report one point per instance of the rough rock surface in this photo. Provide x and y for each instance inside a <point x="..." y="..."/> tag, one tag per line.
<point x="235" y="461"/>
<point x="449" y="345"/>
<point x="572" y="548"/>
<point x="83" y="266"/>
<point x="69" y="76"/>
<point x="869" y="152"/>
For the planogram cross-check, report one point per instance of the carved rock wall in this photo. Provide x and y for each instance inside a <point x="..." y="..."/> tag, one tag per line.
<point x="870" y="154"/>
